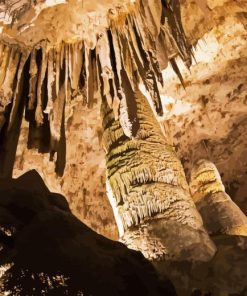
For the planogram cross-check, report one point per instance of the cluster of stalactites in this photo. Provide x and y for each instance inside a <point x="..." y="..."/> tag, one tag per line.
<point x="133" y="50"/>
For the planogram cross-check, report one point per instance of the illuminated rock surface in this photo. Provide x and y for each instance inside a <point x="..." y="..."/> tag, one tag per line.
<point x="219" y="213"/>
<point x="154" y="208"/>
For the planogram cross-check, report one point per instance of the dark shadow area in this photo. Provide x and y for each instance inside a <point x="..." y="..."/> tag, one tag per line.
<point x="225" y="274"/>
<point x="50" y="252"/>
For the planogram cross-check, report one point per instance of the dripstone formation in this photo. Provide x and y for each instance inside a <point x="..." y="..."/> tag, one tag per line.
<point x="60" y="62"/>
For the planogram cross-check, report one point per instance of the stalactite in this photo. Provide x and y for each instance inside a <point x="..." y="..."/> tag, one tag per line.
<point x="136" y="46"/>
<point x="152" y="13"/>
<point x="11" y="129"/>
<point x="50" y="81"/>
<point x="42" y="71"/>
<point x="220" y="214"/>
<point x="58" y="58"/>
<point x="18" y="88"/>
<point x="177" y="71"/>
<point x="162" y="54"/>
<point x="8" y="79"/>
<point x="172" y="17"/>
<point x="147" y="73"/>
<point x="91" y="57"/>
<point x="76" y="66"/>
<point x="66" y="69"/>
<point x="58" y="109"/>
<point x="4" y="62"/>
<point x="103" y="52"/>
<point x="33" y="72"/>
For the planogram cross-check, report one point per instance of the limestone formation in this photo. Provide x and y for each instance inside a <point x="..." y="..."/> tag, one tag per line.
<point x="139" y="39"/>
<point x="219" y="213"/>
<point x="153" y="206"/>
<point x="62" y="59"/>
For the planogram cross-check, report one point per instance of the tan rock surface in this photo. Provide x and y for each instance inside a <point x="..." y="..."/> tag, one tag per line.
<point x="57" y="21"/>
<point x="83" y="182"/>
<point x="208" y="118"/>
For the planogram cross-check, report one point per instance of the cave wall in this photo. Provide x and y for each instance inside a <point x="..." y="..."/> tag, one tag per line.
<point x="208" y="119"/>
<point x="83" y="181"/>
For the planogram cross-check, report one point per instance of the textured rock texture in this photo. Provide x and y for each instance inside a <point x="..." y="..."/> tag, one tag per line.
<point x="208" y="118"/>
<point x="35" y="20"/>
<point x="152" y="200"/>
<point x="219" y="213"/>
<point x="83" y="182"/>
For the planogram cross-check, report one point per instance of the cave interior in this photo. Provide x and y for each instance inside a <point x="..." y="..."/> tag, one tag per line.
<point x="123" y="156"/>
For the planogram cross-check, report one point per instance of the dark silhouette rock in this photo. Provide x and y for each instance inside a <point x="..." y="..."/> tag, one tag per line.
<point x="51" y="252"/>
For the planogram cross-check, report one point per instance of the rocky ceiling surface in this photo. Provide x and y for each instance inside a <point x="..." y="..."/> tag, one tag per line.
<point x="206" y="119"/>
<point x="55" y="20"/>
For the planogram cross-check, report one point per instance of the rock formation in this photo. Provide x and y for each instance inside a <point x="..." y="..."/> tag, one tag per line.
<point x="48" y="251"/>
<point x="150" y="195"/>
<point x="55" y="71"/>
<point x="219" y="213"/>
<point x="43" y="79"/>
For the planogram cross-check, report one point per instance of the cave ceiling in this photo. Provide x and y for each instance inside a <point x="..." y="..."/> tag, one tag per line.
<point x="29" y="22"/>
<point x="206" y="119"/>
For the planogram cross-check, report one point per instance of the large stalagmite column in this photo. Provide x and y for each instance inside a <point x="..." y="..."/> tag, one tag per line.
<point x="220" y="214"/>
<point x="148" y="190"/>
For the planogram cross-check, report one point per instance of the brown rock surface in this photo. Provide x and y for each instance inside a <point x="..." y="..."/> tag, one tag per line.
<point x="45" y="20"/>
<point x="83" y="182"/>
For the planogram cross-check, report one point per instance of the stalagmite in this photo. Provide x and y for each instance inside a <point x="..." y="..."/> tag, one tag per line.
<point x="220" y="214"/>
<point x="153" y="206"/>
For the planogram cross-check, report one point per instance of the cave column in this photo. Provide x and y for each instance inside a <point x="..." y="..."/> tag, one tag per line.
<point x="148" y="191"/>
<point x="219" y="213"/>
